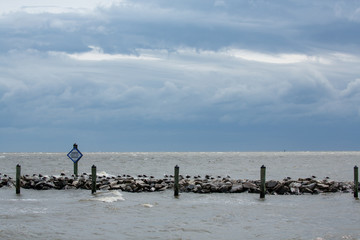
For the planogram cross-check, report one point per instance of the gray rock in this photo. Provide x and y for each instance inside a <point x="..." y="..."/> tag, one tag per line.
<point x="205" y="190"/>
<point x="224" y="188"/>
<point x="310" y="186"/>
<point x="190" y="187"/>
<point x="271" y="184"/>
<point x="237" y="188"/>
<point x="115" y="186"/>
<point x="213" y="187"/>
<point x="322" y="186"/>
<point x="104" y="187"/>
<point x="283" y="189"/>
<point x="295" y="190"/>
<point x="295" y="185"/>
<point x="250" y="185"/>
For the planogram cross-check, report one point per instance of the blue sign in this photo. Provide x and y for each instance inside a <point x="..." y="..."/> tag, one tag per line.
<point x="75" y="155"/>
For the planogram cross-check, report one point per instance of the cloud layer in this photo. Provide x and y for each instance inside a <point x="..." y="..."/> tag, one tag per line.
<point x="180" y="76"/>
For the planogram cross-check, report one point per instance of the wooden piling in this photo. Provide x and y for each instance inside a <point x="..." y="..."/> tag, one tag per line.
<point x="176" y="181"/>
<point x="356" y="182"/>
<point x="18" y="173"/>
<point x="93" y="179"/>
<point x="262" y="181"/>
<point x="76" y="169"/>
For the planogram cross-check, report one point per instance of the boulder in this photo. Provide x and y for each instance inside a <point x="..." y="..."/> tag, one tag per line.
<point x="295" y="185"/>
<point x="310" y="186"/>
<point x="237" y="188"/>
<point x="224" y="188"/>
<point x="115" y="186"/>
<point x="322" y="186"/>
<point x="283" y="189"/>
<point x="250" y="185"/>
<point x="271" y="184"/>
<point x="307" y="190"/>
<point x="190" y="187"/>
<point x="295" y="190"/>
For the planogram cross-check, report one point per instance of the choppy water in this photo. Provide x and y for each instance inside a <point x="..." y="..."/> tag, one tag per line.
<point x="76" y="214"/>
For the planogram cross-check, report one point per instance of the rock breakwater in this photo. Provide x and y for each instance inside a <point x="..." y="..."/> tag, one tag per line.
<point x="195" y="184"/>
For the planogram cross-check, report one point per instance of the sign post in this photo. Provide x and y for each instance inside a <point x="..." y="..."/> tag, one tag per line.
<point x="75" y="156"/>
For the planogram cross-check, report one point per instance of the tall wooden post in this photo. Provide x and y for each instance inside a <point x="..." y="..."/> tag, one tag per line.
<point x="75" y="169"/>
<point x="262" y="181"/>
<point x="356" y="182"/>
<point x="93" y="179"/>
<point x="18" y="173"/>
<point x="75" y="163"/>
<point x="176" y="181"/>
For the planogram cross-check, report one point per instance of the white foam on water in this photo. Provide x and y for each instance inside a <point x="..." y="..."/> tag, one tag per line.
<point x="147" y="205"/>
<point x="33" y="210"/>
<point x="103" y="173"/>
<point x="26" y="200"/>
<point x="109" y="196"/>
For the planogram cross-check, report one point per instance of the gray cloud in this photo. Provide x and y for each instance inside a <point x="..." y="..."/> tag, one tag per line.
<point x="169" y="86"/>
<point x="126" y="26"/>
<point x="224" y="70"/>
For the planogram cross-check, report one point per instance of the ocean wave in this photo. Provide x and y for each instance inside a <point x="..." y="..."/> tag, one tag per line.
<point x="103" y="173"/>
<point x="147" y="205"/>
<point x="108" y="196"/>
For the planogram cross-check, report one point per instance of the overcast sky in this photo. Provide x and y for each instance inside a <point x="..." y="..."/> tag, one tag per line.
<point x="257" y="75"/>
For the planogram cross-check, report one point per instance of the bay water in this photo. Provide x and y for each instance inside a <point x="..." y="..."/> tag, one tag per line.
<point x="77" y="214"/>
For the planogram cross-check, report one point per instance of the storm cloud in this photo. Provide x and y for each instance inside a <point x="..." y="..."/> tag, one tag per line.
<point x="180" y="75"/>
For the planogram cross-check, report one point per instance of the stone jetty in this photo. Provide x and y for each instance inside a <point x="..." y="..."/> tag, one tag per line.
<point x="196" y="184"/>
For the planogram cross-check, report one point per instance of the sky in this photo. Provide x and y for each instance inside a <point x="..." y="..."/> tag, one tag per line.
<point x="205" y="75"/>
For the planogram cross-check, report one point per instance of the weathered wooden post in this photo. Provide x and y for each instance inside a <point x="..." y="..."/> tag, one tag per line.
<point x="176" y="181"/>
<point x="76" y="169"/>
<point x="18" y="173"/>
<point x="93" y="179"/>
<point x="262" y="181"/>
<point x="75" y="162"/>
<point x="356" y="182"/>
